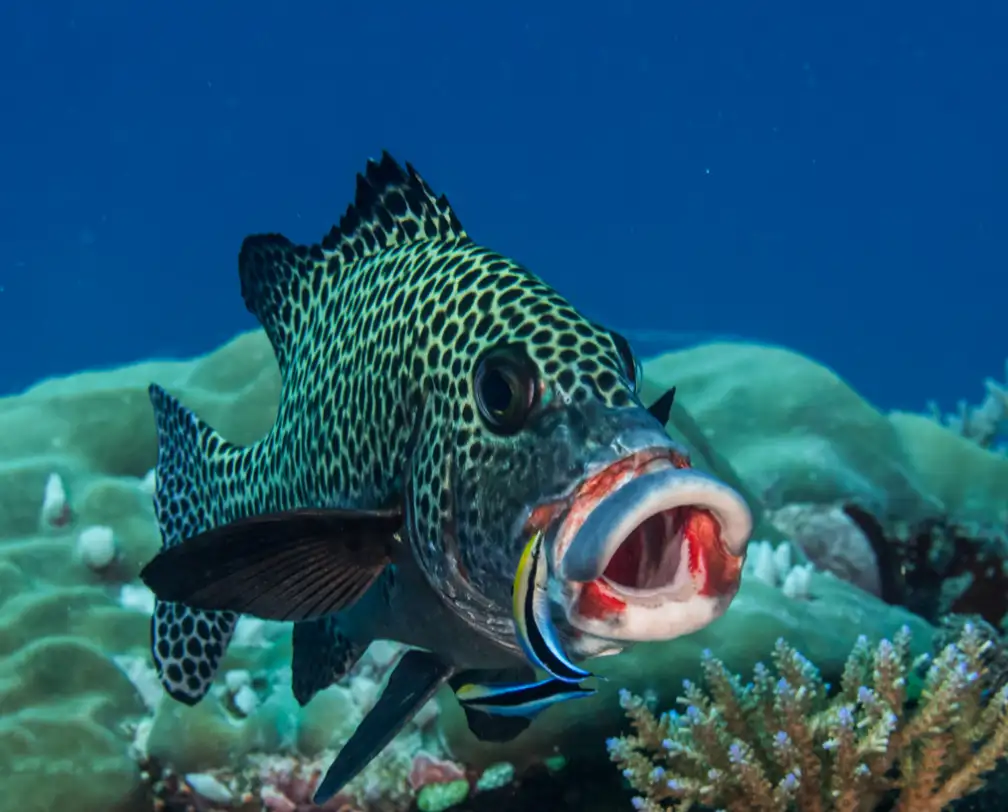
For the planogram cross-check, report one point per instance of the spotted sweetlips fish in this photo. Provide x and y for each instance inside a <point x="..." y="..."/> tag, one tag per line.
<point x="460" y="463"/>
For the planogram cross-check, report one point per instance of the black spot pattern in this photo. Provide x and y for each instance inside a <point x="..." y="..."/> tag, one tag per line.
<point x="186" y="643"/>
<point x="322" y="654"/>
<point x="376" y="329"/>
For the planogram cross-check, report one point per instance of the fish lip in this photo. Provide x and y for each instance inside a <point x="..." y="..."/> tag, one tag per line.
<point x="698" y="567"/>
<point x="548" y="514"/>
<point x="675" y="577"/>
<point x="597" y="489"/>
<point x="588" y="527"/>
<point x="585" y="550"/>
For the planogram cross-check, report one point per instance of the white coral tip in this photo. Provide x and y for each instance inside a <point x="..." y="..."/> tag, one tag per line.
<point x="55" y="505"/>
<point x="797" y="582"/>
<point x="149" y="483"/>
<point x="96" y="547"/>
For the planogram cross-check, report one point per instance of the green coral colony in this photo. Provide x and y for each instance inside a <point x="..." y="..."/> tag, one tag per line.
<point x="867" y="623"/>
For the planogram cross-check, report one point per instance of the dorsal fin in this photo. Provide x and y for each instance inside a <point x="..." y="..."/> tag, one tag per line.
<point x="392" y="206"/>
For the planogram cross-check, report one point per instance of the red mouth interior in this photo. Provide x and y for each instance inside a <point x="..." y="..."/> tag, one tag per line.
<point x="650" y="556"/>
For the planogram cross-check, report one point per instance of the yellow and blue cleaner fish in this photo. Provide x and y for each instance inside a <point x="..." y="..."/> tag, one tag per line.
<point x="440" y="407"/>
<point x="537" y="635"/>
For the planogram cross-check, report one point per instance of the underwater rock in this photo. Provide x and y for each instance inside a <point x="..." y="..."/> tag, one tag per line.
<point x="428" y="769"/>
<point x="832" y="541"/>
<point x="332" y="717"/>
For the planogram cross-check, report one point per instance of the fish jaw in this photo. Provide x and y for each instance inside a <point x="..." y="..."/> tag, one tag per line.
<point x="646" y="549"/>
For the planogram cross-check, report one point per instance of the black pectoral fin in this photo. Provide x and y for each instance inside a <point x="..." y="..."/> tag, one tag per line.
<point x="321" y="655"/>
<point x="296" y="565"/>
<point x="661" y="409"/>
<point x="415" y="680"/>
<point x="499" y="729"/>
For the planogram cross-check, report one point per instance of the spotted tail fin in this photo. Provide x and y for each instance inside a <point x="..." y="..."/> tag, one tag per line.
<point x="199" y="486"/>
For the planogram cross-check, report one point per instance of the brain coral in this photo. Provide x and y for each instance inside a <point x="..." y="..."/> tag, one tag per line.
<point x="85" y="444"/>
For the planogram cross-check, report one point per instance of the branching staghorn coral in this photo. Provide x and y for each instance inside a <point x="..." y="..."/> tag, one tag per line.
<point x="782" y="742"/>
<point x="984" y="423"/>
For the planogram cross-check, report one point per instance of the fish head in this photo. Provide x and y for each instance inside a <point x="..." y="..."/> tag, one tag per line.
<point x="639" y="545"/>
<point x="643" y="547"/>
<point x="546" y="434"/>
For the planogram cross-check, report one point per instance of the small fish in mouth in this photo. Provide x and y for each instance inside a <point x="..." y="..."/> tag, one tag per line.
<point x="518" y="699"/>
<point x="461" y="463"/>
<point x="535" y="630"/>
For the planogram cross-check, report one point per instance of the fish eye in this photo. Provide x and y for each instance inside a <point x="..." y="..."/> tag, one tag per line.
<point x="630" y="363"/>
<point x="505" y="387"/>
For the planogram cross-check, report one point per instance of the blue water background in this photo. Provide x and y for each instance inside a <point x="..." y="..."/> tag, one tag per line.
<point x="829" y="176"/>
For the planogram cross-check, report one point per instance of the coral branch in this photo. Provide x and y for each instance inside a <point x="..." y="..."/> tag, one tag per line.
<point x="783" y="743"/>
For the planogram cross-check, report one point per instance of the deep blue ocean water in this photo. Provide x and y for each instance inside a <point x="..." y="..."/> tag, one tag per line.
<point x="831" y="177"/>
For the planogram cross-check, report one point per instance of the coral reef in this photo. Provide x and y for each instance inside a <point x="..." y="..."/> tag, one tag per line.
<point x="825" y="473"/>
<point x="795" y="433"/>
<point x="832" y="541"/>
<point x="784" y="741"/>
<point x="983" y="424"/>
<point x="934" y="568"/>
<point x="824" y="621"/>
<point x="793" y="430"/>
<point x="775" y="566"/>
<point x="970" y="482"/>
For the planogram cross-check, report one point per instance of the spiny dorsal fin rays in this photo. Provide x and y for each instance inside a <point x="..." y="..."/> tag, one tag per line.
<point x="281" y="282"/>
<point x="392" y="206"/>
<point x="661" y="409"/>
<point x="278" y="279"/>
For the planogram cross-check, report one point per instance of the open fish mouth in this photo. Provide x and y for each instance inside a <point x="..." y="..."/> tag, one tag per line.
<point x="648" y="548"/>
